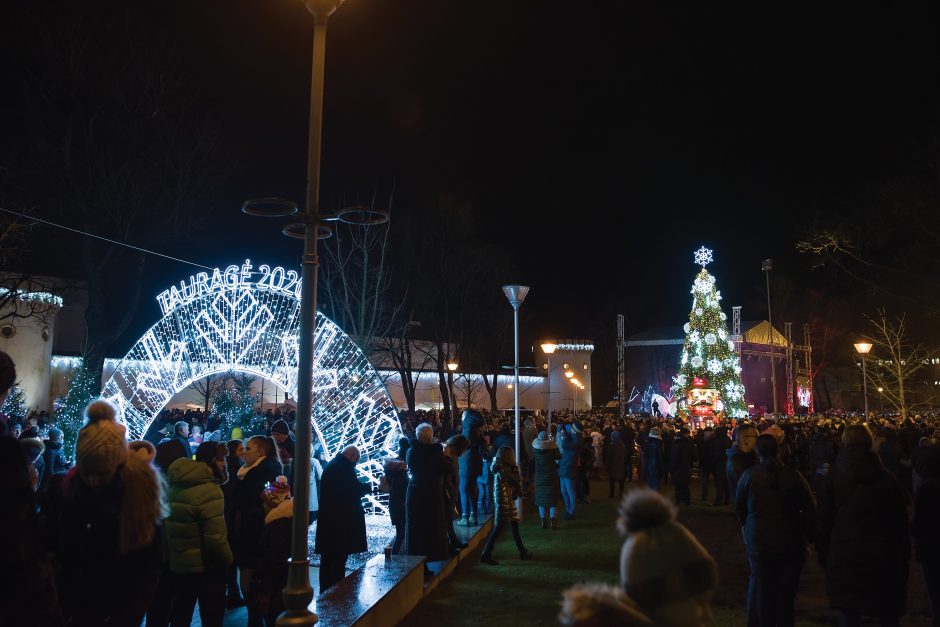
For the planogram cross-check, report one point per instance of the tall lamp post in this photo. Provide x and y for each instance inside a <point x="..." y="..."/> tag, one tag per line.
<point x="570" y="376"/>
<point x="549" y="348"/>
<point x="863" y="348"/>
<point x="766" y="267"/>
<point x="515" y="294"/>
<point x="310" y="227"/>
<point x="451" y="368"/>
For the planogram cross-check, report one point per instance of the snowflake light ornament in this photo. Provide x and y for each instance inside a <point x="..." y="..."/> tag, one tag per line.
<point x="703" y="256"/>
<point x="714" y="366"/>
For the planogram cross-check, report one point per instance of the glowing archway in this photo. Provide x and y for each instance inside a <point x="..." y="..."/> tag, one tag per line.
<point x="239" y="320"/>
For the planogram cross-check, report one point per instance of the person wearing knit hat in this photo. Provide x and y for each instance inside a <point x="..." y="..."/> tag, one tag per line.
<point x="111" y="503"/>
<point x="143" y="449"/>
<point x="547" y="488"/>
<point x="102" y="444"/>
<point x="280" y="433"/>
<point x="666" y="576"/>
<point x="270" y="577"/>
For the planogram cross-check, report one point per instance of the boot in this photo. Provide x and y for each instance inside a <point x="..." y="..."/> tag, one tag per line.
<point x="464" y="521"/>
<point x="545" y="523"/>
<point x="554" y="525"/>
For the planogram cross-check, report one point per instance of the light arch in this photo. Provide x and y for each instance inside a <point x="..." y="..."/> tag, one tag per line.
<point x="235" y="323"/>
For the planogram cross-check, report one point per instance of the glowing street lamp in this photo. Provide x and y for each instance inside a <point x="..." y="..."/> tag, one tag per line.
<point x="863" y="348"/>
<point x="569" y="373"/>
<point x="451" y="368"/>
<point x="549" y="348"/>
<point x="515" y="294"/>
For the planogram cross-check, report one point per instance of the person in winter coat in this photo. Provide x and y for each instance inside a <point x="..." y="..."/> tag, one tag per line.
<point x="653" y="469"/>
<point x="470" y="467"/>
<point x="271" y="573"/>
<point x="53" y="457"/>
<point x="107" y="547"/>
<point x="529" y="433"/>
<point x="862" y="534"/>
<point x="280" y="433"/>
<point x="597" y="443"/>
<point x="484" y="481"/>
<point x="261" y="467"/>
<point x="777" y="512"/>
<point x="569" y="442"/>
<point x="927" y="520"/>
<point x="507" y="484"/>
<point x="715" y="455"/>
<point x="616" y="463"/>
<point x="425" y="533"/>
<point x="341" y="523"/>
<point x="396" y="476"/>
<point x="547" y="490"/>
<point x="680" y="467"/>
<point x="27" y="579"/>
<point x="666" y="576"/>
<point x="741" y="456"/>
<point x="197" y="540"/>
<point x="234" y="460"/>
<point x="453" y="449"/>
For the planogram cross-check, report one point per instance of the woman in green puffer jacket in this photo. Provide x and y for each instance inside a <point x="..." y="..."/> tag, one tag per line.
<point x="196" y="538"/>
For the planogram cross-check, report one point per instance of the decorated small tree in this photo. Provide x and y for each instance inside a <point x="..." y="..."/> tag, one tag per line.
<point x="15" y="405"/>
<point x="235" y="404"/>
<point x="70" y="409"/>
<point x="709" y="379"/>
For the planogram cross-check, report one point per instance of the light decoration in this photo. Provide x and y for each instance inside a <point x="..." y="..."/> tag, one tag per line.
<point x="703" y="257"/>
<point x="574" y="347"/>
<point x="710" y="359"/>
<point x="43" y="298"/>
<point x="243" y="321"/>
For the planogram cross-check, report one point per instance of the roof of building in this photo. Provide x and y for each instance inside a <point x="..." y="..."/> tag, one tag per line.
<point x="754" y="332"/>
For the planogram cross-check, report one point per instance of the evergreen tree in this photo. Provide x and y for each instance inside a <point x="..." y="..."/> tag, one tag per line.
<point x="70" y="409"/>
<point x="235" y="404"/>
<point x="15" y="405"/>
<point x="708" y="352"/>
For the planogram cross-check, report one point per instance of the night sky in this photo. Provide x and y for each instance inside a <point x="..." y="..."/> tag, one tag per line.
<point x="600" y="141"/>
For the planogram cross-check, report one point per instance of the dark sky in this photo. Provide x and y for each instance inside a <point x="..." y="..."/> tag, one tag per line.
<point x="600" y="141"/>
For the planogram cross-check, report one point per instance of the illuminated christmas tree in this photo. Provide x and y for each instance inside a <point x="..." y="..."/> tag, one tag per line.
<point x="709" y="379"/>
<point x="70" y="409"/>
<point x="15" y="405"/>
<point x="235" y="405"/>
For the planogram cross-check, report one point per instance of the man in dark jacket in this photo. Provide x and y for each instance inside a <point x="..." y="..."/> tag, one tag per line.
<point x="680" y="467"/>
<point x="570" y="445"/>
<point x="715" y="455"/>
<point x="53" y="457"/>
<point x="741" y="456"/>
<point x="777" y="513"/>
<point x="341" y="524"/>
<point x="470" y="467"/>
<point x="862" y="534"/>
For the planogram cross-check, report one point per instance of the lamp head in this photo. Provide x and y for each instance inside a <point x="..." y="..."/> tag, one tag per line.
<point x="515" y="294"/>
<point x="549" y="347"/>
<point x="322" y="9"/>
<point x="569" y="374"/>
<point x="452" y="366"/>
<point x="863" y="348"/>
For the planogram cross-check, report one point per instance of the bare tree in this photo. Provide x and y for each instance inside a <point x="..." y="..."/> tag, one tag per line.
<point x="208" y="388"/>
<point x="401" y="350"/>
<point x="355" y="282"/>
<point x="469" y="385"/>
<point x="897" y="361"/>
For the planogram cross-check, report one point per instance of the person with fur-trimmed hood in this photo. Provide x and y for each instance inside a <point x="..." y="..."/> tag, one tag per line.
<point x="507" y="486"/>
<point x="106" y="541"/>
<point x="547" y="489"/>
<point x="470" y="467"/>
<point x="666" y="576"/>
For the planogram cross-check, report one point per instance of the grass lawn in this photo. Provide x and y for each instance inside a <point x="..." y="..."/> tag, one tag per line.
<point x="528" y="593"/>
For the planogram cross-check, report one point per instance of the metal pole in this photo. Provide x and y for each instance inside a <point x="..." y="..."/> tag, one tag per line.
<point x="770" y="320"/>
<point x="865" y="386"/>
<point x="515" y="387"/>
<point x="549" y="384"/>
<point x="298" y="593"/>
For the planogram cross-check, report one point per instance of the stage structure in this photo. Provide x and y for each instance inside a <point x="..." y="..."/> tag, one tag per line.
<point x="242" y="320"/>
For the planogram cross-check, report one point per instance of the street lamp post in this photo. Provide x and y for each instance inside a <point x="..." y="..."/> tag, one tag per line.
<point x="451" y="368"/>
<point x="548" y="348"/>
<point x="863" y="348"/>
<point x="310" y="227"/>
<point x="766" y="267"/>
<point x="515" y="294"/>
<point x="570" y="376"/>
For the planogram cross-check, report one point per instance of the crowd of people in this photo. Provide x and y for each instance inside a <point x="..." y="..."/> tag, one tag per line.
<point x="145" y="530"/>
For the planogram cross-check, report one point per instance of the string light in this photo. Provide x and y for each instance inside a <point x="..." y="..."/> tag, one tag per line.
<point x="237" y="320"/>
